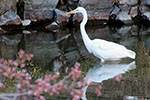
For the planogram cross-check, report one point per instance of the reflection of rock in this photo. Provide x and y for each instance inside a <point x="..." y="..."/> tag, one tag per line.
<point x="9" y="46"/>
<point x="101" y="33"/>
<point x="124" y="31"/>
<point x="43" y="46"/>
<point x="9" y="41"/>
<point x="58" y="63"/>
<point x="2" y="31"/>
<point x="8" y="52"/>
<point x="131" y="98"/>
<point x="123" y="36"/>
<point x="68" y="46"/>
<point x="143" y="56"/>
<point x="101" y="72"/>
<point x="135" y="31"/>
<point x="63" y="38"/>
<point x="147" y="41"/>
<point x="129" y="42"/>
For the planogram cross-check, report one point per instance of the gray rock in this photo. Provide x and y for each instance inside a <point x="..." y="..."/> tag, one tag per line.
<point x="146" y="2"/>
<point x="38" y="15"/>
<point x="130" y="2"/>
<point x="114" y="11"/>
<point x="36" y="10"/>
<point x="147" y="15"/>
<point x="61" y="17"/>
<point x="40" y="4"/>
<point x="124" y="17"/>
<point x="7" y="5"/>
<point x="133" y="11"/>
<point x="97" y="10"/>
<point x="96" y="4"/>
<point x="10" y="18"/>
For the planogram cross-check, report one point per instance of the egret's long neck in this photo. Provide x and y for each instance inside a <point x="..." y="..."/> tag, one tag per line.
<point x="85" y="37"/>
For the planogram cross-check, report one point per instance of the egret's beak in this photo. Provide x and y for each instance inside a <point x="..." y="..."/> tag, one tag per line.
<point x="71" y="12"/>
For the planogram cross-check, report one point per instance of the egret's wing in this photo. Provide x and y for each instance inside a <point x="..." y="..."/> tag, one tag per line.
<point x="106" y="45"/>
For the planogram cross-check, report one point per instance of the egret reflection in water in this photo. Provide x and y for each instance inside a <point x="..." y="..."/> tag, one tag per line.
<point x="101" y="72"/>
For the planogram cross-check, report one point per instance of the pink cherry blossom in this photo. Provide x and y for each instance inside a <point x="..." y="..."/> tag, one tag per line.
<point x="98" y="90"/>
<point x="49" y="84"/>
<point x="2" y="60"/>
<point x="18" y="85"/>
<point x="118" y="78"/>
<point x="1" y="85"/>
<point x="22" y="65"/>
<point x="15" y="63"/>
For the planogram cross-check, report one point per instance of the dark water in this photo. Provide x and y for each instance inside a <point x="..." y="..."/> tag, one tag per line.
<point x="58" y="50"/>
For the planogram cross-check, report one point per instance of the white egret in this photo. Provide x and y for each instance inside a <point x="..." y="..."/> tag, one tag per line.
<point x="104" y="50"/>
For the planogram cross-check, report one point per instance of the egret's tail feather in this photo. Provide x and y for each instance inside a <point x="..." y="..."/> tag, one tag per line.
<point x="132" y="54"/>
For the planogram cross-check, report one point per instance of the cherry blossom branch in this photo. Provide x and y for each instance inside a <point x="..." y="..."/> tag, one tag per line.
<point x="12" y="96"/>
<point x="9" y="69"/>
<point x="14" y="69"/>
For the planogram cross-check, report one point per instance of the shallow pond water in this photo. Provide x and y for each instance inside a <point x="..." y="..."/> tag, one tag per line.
<point x="57" y="50"/>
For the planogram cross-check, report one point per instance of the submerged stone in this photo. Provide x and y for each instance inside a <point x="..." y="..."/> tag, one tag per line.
<point x="26" y="32"/>
<point x="53" y="26"/>
<point x="26" y="22"/>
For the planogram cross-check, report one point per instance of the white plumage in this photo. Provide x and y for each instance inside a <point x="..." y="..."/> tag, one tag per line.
<point x="102" y="49"/>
